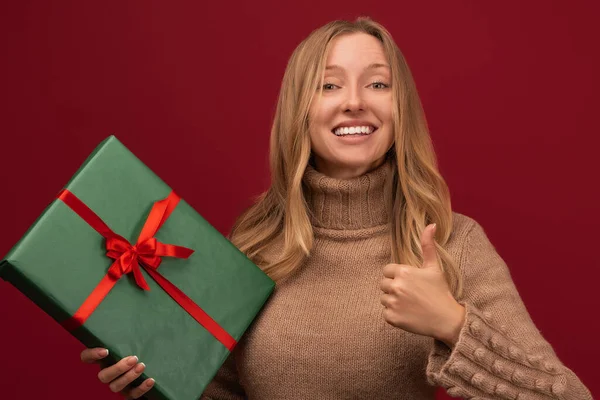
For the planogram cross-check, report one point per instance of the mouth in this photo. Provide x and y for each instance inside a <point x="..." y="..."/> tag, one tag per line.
<point x="354" y="131"/>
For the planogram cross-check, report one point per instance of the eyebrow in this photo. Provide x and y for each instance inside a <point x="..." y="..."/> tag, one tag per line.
<point x="370" y="66"/>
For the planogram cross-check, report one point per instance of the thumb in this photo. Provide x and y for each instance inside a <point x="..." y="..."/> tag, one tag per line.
<point x="428" y="247"/>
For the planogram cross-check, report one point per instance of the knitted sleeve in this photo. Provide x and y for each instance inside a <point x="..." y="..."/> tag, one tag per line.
<point x="500" y="354"/>
<point x="225" y="385"/>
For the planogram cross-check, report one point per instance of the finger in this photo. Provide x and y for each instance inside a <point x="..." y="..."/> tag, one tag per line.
<point x="387" y="300"/>
<point x="428" y="247"/>
<point x="94" y="354"/>
<point x="393" y="271"/>
<point x="389" y="271"/>
<point x="109" y="374"/>
<point x="121" y="382"/>
<point x="140" y="390"/>
<point x="386" y="285"/>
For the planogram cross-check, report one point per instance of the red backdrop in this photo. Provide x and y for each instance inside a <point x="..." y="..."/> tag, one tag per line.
<point x="511" y="95"/>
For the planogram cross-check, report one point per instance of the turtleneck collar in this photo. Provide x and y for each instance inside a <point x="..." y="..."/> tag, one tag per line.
<point x="349" y="204"/>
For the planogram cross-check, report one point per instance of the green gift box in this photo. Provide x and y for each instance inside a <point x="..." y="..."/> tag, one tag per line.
<point x="61" y="263"/>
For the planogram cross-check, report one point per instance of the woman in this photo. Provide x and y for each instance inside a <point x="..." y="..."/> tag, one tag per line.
<point x="382" y="290"/>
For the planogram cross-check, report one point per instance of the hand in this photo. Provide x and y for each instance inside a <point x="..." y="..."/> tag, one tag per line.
<point x="119" y="375"/>
<point x="419" y="300"/>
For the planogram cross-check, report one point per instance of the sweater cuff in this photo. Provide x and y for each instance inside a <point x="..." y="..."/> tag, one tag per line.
<point x="486" y="362"/>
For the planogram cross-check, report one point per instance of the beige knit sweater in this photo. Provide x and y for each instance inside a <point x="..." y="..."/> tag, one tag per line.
<point x="322" y="335"/>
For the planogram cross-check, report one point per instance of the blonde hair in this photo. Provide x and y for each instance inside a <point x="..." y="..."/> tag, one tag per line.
<point x="420" y="196"/>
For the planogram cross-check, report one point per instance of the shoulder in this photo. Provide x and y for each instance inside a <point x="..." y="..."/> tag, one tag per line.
<point x="462" y="227"/>
<point x="466" y="234"/>
<point x="462" y="224"/>
<point x="465" y="228"/>
<point x="476" y="255"/>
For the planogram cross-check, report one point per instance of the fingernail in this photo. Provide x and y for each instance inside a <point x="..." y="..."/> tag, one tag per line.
<point x="140" y="367"/>
<point x="150" y="383"/>
<point x="103" y="352"/>
<point x="132" y="360"/>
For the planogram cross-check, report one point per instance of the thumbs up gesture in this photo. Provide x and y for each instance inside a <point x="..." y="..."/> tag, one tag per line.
<point x="419" y="300"/>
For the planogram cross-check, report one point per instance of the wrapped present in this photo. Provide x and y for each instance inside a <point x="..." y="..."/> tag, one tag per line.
<point x="121" y="262"/>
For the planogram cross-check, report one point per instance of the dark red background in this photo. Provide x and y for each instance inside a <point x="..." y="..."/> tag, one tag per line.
<point x="511" y="95"/>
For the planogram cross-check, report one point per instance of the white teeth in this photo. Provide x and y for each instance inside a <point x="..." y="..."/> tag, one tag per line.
<point x="354" y="130"/>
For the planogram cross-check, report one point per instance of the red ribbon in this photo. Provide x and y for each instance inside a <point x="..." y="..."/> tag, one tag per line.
<point x="146" y="253"/>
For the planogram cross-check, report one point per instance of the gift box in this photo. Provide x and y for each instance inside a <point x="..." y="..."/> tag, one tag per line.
<point x="121" y="262"/>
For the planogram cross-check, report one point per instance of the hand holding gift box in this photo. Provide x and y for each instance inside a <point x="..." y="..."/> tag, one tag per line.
<point x="76" y="264"/>
<point x="120" y="375"/>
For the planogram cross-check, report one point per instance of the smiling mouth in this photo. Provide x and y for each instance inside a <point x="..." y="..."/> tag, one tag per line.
<point x="355" y="134"/>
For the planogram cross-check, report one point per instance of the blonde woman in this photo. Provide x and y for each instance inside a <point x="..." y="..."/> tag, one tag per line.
<point x="383" y="292"/>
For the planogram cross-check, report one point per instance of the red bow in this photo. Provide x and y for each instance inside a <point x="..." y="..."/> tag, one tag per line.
<point x="147" y="250"/>
<point x="128" y="258"/>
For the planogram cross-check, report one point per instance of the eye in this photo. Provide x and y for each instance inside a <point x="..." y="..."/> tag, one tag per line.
<point x="326" y="86"/>
<point x="385" y="86"/>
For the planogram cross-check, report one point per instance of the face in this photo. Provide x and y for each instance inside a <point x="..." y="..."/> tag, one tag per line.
<point x="357" y="96"/>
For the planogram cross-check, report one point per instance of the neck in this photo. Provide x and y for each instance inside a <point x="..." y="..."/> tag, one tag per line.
<point x="360" y="202"/>
<point x="340" y="171"/>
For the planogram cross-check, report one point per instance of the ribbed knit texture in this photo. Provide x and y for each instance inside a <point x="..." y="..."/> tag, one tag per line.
<point x="322" y="334"/>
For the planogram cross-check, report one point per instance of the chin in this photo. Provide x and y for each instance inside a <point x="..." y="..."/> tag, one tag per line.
<point x="358" y="161"/>
<point x="354" y="163"/>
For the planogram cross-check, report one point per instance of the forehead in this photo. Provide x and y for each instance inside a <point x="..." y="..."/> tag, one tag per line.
<point x="355" y="50"/>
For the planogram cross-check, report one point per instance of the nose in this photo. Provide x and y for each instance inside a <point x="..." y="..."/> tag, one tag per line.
<point x="354" y="100"/>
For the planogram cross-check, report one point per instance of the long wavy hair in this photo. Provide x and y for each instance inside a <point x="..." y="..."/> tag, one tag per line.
<point x="420" y="195"/>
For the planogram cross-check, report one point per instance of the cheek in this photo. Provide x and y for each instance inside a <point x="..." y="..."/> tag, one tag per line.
<point x="321" y="119"/>
<point x="385" y="116"/>
<point x="390" y="143"/>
